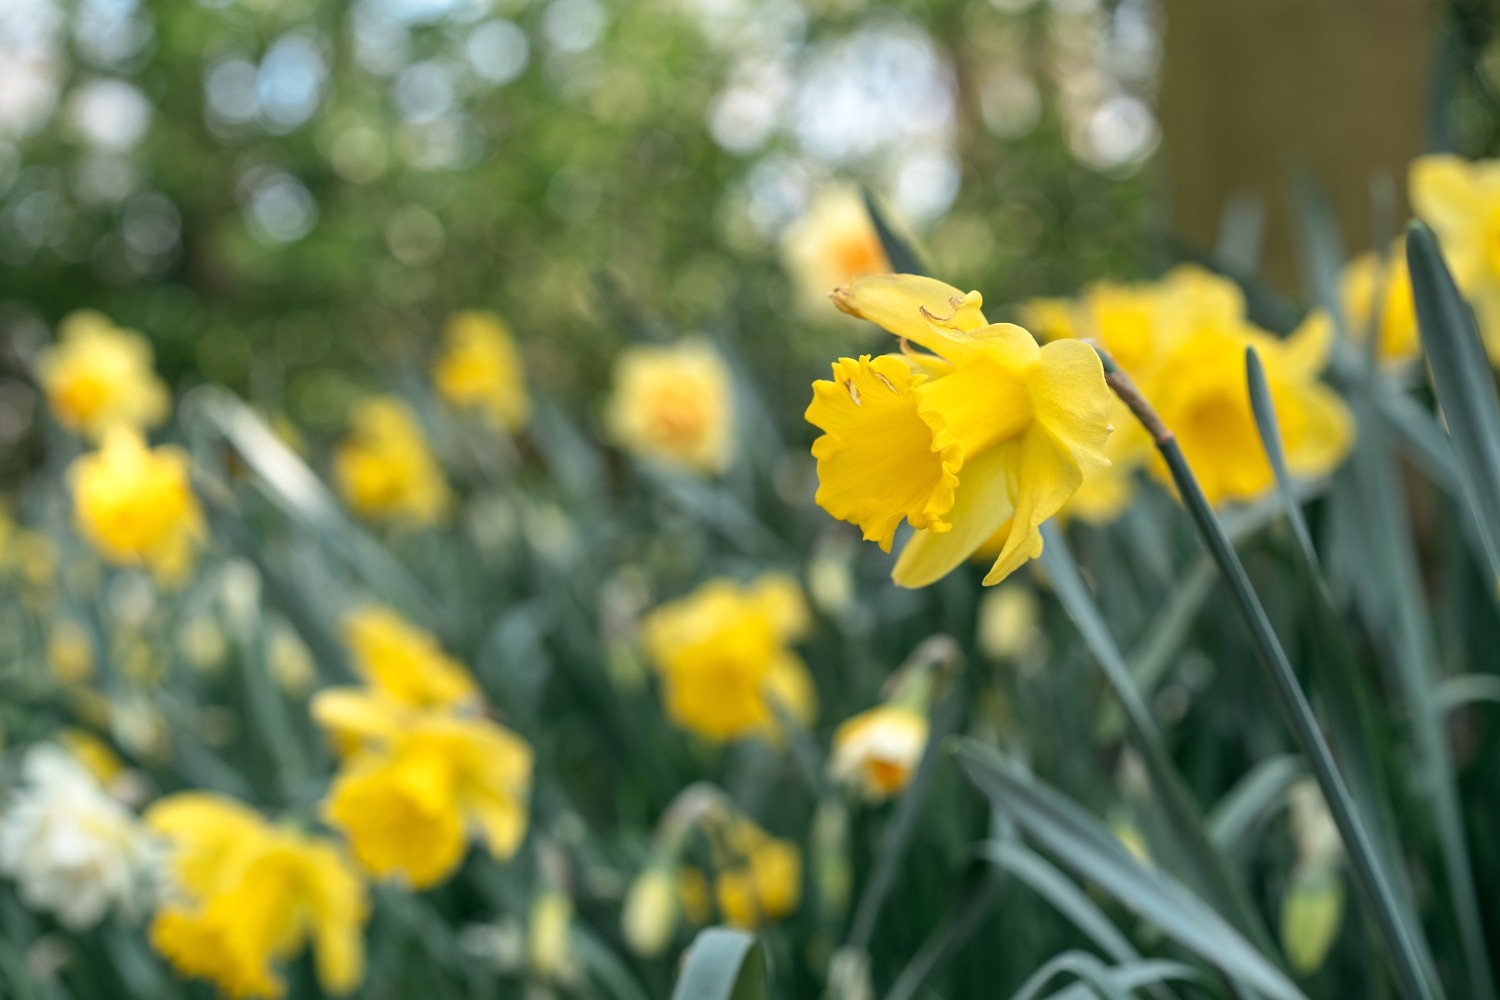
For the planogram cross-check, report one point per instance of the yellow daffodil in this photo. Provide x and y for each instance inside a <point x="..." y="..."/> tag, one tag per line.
<point x="1008" y="619"/>
<point x="1460" y="200"/>
<point x="404" y="663"/>
<point x="986" y="429"/>
<point x="136" y="505"/>
<point x="1201" y="394"/>
<point x="247" y="894"/>
<point x="1375" y="292"/>
<point x="763" y="882"/>
<point x="723" y="652"/>
<point x="70" y="652"/>
<point x="99" y="376"/>
<point x="480" y="368"/>
<point x="415" y="783"/>
<point x="674" y="405"/>
<point x="834" y="243"/>
<point x="384" y="468"/>
<point x="650" y="913"/>
<point x="877" y="751"/>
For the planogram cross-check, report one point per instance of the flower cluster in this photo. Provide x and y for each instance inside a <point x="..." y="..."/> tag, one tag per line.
<point x="421" y="770"/>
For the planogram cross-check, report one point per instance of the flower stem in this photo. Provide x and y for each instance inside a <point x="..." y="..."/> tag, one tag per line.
<point x="1375" y="890"/>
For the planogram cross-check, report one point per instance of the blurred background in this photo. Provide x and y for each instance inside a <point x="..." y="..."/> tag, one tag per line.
<point x="286" y="195"/>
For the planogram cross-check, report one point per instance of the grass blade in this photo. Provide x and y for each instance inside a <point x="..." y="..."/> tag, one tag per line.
<point x="903" y="258"/>
<point x="1205" y="868"/>
<point x="1463" y="380"/>
<point x="722" y="964"/>
<point x="1248" y="802"/>
<point x="1082" y="845"/>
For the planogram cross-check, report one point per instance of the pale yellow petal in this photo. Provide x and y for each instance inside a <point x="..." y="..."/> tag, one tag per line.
<point x="1443" y="192"/>
<point x="923" y="310"/>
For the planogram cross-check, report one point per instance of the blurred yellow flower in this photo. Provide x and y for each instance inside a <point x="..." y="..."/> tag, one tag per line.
<point x="549" y="953"/>
<point x="405" y="663"/>
<point x="834" y="243"/>
<point x="1460" y="200"/>
<point x="986" y="429"/>
<point x="764" y="883"/>
<point x="247" y="894"/>
<point x="70" y="652"/>
<point x="650" y="913"/>
<point x="1201" y="393"/>
<point x="877" y="750"/>
<point x="92" y="752"/>
<point x="417" y="782"/>
<point x="384" y="468"/>
<point x="1008" y="618"/>
<point x="674" y="405"/>
<point x="480" y="368"/>
<point x="135" y="505"/>
<point x="722" y="649"/>
<point x="99" y="376"/>
<point x="1381" y="282"/>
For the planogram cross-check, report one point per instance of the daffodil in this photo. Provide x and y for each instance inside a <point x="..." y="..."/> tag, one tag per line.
<point x="416" y="784"/>
<point x="1460" y="200"/>
<point x="99" y="376"/>
<point x="985" y="429"/>
<point x="877" y="751"/>
<point x="246" y="894"/>
<point x="384" y="468"/>
<point x="480" y="368"/>
<point x="674" y="405"/>
<point x="762" y="883"/>
<point x="405" y="663"/>
<point x="1201" y="393"/>
<point x="834" y="243"/>
<point x="723" y="654"/>
<point x="1375" y="292"/>
<point x="136" y="505"/>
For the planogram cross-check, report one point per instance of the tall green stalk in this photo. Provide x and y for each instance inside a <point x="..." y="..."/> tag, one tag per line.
<point x="1412" y="973"/>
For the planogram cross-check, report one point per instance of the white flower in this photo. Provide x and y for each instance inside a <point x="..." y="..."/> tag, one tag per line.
<point x="73" y="850"/>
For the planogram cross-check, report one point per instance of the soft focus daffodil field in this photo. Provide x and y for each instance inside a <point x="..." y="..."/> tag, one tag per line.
<point x="527" y="499"/>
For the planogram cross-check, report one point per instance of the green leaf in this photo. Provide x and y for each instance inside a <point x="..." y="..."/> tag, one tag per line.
<point x="1207" y="869"/>
<point x="1056" y="888"/>
<point x="903" y="258"/>
<point x="1466" y="689"/>
<point x="1462" y="377"/>
<point x="1085" y="967"/>
<point x="1252" y="798"/>
<point x="722" y="964"/>
<point x="1076" y="839"/>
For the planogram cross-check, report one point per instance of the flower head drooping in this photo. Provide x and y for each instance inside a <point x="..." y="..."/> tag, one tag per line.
<point x="987" y="429"/>
<point x="674" y="405"/>
<point x="404" y="663"/>
<point x="74" y="851"/>
<point x="414" y="785"/>
<point x="385" y="470"/>
<point x="247" y="894"/>
<point x="136" y="505"/>
<point x="1460" y="200"/>
<point x="723" y="653"/>
<point x="99" y="376"/>
<point x="834" y="243"/>
<point x="1375" y="292"/>
<point x="762" y="881"/>
<point x="480" y="368"/>
<point x="878" y="750"/>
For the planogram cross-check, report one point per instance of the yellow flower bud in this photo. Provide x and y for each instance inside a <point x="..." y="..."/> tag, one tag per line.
<point x="650" y="914"/>
<point x="548" y="951"/>
<point x="1007" y="621"/>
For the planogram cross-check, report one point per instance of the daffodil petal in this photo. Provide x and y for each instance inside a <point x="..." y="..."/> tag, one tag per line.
<point x="1072" y="400"/>
<point x="1317" y="429"/>
<point x="1042" y="474"/>
<point x="879" y="460"/>
<point x="982" y="504"/>
<point x="1442" y="191"/>
<point x="923" y="310"/>
<point x="1308" y="346"/>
